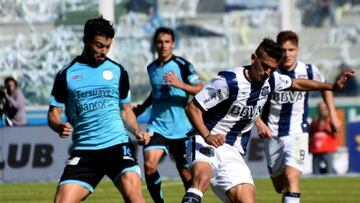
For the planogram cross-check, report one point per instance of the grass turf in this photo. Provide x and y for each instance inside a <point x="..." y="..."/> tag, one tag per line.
<point x="313" y="190"/>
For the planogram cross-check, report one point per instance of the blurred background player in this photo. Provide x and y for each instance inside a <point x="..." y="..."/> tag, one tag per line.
<point x="173" y="79"/>
<point x="14" y="103"/>
<point x="94" y="90"/>
<point x="322" y="142"/>
<point x="285" y="114"/>
<point x="223" y="113"/>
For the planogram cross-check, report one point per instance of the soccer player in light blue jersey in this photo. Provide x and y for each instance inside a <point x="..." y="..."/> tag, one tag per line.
<point x="285" y="116"/>
<point x="173" y="79"/>
<point x="223" y="113"/>
<point x="94" y="90"/>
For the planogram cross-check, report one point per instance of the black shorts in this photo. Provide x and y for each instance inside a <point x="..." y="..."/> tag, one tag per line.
<point x="176" y="147"/>
<point x="88" y="167"/>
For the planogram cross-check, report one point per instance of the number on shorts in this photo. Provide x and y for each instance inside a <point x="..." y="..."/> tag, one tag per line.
<point x="302" y="155"/>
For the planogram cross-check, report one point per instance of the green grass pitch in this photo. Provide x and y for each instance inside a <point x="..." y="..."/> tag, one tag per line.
<point x="313" y="190"/>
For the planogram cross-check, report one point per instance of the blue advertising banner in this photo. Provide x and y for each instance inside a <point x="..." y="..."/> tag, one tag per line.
<point x="353" y="143"/>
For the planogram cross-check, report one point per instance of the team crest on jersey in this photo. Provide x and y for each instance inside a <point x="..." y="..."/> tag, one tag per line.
<point x="108" y="75"/>
<point x="265" y="91"/>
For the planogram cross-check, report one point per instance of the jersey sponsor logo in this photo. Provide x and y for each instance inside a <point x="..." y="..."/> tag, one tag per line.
<point x="212" y="96"/>
<point x="92" y="93"/>
<point x="302" y="76"/>
<point x="108" y="75"/>
<point x="77" y="77"/>
<point x="74" y="161"/>
<point x="245" y="111"/>
<point x="286" y="97"/>
<point x="90" y="106"/>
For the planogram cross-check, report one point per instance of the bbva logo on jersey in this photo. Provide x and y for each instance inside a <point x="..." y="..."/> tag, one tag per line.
<point x="245" y="111"/>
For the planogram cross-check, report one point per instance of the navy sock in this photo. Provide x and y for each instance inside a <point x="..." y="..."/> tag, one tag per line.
<point x="192" y="196"/>
<point x="153" y="183"/>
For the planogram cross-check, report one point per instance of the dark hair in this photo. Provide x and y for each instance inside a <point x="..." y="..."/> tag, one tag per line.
<point x="271" y="48"/>
<point x="98" y="26"/>
<point x="287" y="35"/>
<point x="8" y="79"/>
<point x="165" y="30"/>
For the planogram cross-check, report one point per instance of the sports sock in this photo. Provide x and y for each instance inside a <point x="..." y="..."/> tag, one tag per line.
<point x="192" y="195"/>
<point x="292" y="197"/>
<point x="153" y="183"/>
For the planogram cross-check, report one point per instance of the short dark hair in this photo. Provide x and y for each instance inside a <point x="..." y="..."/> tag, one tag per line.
<point x="271" y="48"/>
<point x="8" y="79"/>
<point x="287" y="35"/>
<point x="165" y="30"/>
<point x="98" y="27"/>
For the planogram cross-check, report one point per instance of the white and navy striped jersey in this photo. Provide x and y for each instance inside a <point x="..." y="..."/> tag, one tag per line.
<point x="286" y="112"/>
<point x="231" y="103"/>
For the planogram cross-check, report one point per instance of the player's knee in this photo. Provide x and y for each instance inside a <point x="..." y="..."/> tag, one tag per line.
<point x="150" y="168"/>
<point x="202" y="183"/>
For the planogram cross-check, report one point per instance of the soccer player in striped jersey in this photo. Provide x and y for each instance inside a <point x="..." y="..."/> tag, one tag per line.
<point x="223" y="113"/>
<point x="94" y="90"/>
<point x="285" y="115"/>
<point x="173" y="79"/>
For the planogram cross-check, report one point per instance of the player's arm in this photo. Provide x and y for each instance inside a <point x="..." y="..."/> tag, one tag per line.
<point x="139" y="109"/>
<point x="54" y="121"/>
<point x="132" y="124"/>
<point x="194" y="114"/>
<point x="172" y="79"/>
<point x="334" y="119"/>
<point x="309" y="85"/>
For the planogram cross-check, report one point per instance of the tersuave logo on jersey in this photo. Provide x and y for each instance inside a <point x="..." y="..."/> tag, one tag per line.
<point x="245" y="111"/>
<point x="92" y="93"/>
<point x="285" y="97"/>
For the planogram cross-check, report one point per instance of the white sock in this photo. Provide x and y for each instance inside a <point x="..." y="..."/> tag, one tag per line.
<point x="292" y="197"/>
<point x="195" y="191"/>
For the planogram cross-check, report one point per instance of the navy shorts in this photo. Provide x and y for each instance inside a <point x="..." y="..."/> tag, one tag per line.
<point x="88" y="167"/>
<point x="176" y="147"/>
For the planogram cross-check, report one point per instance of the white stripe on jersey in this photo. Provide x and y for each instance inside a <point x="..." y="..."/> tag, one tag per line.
<point x="286" y="112"/>
<point x="232" y="103"/>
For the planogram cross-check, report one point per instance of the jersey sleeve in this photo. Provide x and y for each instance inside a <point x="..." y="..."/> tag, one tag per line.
<point x="317" y="74"/>
<point x="188" y="72"/>
<point x="59" y="91"/>
<point x="281" y="81"/>
<point x="192" y="76"/>
<point x="124" y="87"/>
<point x="214" y="92"/>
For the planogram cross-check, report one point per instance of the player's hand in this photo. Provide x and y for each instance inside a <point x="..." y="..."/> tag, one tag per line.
<point x="143" y="137"/>
<point x="66" y="130"/>
<point x="171" y="79"/>
<point x="341" y="81"/>
<point x="215" y="140"/>
<point x="262" y="129"/>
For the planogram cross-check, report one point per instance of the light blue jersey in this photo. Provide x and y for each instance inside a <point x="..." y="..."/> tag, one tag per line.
<point x="168" y="116"/>
<point x="91" y="97"/>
